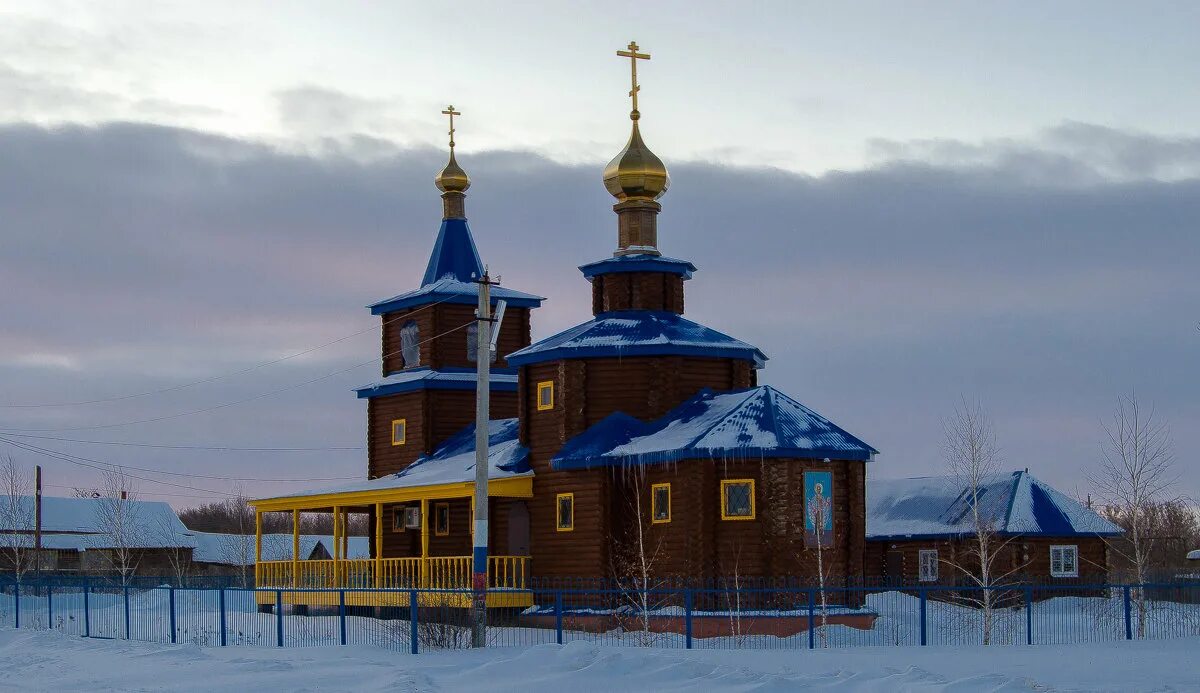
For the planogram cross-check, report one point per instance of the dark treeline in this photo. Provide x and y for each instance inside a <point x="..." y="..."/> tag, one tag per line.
<point x="235" y="516"/>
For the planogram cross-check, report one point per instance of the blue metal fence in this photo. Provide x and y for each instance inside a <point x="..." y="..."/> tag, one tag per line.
<point x="705" y="617"/>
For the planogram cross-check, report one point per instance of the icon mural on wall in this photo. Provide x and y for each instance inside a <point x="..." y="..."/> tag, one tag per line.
<point x="818" y="509"/>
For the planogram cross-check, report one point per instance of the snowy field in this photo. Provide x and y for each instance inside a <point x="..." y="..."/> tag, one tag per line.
<point x="53" y="661"/>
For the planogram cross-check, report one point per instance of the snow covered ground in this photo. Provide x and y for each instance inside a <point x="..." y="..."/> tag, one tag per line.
<point x="54" y="661"/>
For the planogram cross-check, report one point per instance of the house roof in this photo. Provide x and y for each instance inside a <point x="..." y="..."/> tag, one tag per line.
<point x="238" y="549"/>
<point x="1194" y="555"/>
<point x="940" y="506"/>
<point x="452" y="462"/>
<point x="450" y="276"/>
<point x="637" y="333"/>
<point x="748" y="424"/>
<point x="638" y="262"/>
<point x="501" y="380"/>
<point x="80" y="522"/>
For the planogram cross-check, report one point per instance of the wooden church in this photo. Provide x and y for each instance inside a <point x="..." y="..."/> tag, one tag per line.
<point x="638" y="440"/>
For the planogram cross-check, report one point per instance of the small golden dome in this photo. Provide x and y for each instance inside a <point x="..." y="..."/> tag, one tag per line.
<point x="636" y="173"/>
<point x="452" y="178"/>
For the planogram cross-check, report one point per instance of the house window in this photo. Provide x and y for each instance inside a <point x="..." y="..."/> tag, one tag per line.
<point x="1064" y="561"/>
<point x="660" y="503"/>
<point x="473" y="344"/>
<point x="441" y="519"/>
<point x="398" y="519"/>
<point x="545" y="395"/>
<point x="737" y="499"/>
<point x="412" y="516"/>
<point x="410" y="344"/>
<point x="566" y="512"/>
<point x="928" y="560"/>
<point x="399" y="431"/>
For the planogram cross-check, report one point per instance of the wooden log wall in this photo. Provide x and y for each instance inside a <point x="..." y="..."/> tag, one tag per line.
<point x="449" y="351"/>
<point x="637" y="291"/>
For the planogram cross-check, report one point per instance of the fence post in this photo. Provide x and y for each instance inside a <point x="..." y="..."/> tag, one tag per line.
<point x="87" y="617"/>
<point x="125" y="589"/>
<point x="16" y="605"/>
<point x="687" y="618"/>
<point x="49" y="608"/>
<point x="171" y="602"/>
<point x="1128" y="614"/>
<point x="412" y="620"/>
<point x="279" y="618"/>
<point x="342" y="613"/>
<point x="1029" y="615"/>
<point x="924" y="611"/>
<point x="221" y="607"/>
<point x="558" y="617"/>
<point x="812" y="622"/>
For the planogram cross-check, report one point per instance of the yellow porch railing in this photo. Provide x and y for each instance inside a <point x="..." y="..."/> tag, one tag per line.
<point x="442" y="572"/>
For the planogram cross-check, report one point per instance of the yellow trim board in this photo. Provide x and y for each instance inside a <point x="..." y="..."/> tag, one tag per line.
<point x="753" y="509"/>
<point x="437" y="509"/>
<point x="403" y="431"/>
<point x="513" y="487"/>
<point x="654" y="494"/>
<point x="545" y="385"/>
<point x="558" y="513"/>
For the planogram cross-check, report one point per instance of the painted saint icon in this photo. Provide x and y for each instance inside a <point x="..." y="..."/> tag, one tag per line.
<point x="818" y="509"/>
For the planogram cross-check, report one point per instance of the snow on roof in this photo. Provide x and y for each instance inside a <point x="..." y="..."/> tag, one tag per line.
<point x="427" y="379"/>
<point x="450" y="276"/>
<point x="754" y="423"/>
<point x="637" y="333"/>
<point x="452" y="462"/>
<point x="238" y="549"/>
<point x="938" y="506"/>
<point x="152" y="524"/>
<point x="638" y="262"/>
<point x="1194" y="555"/>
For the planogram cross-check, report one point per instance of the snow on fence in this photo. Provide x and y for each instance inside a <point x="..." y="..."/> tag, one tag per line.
<point x="762" y="618"/>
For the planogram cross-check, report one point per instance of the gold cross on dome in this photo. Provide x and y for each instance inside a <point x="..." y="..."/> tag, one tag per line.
<point x="451" y="112"/>
<point x="633" y="56"/>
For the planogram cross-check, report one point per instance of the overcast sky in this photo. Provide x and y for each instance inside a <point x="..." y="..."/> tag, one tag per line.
<point x="900" y="205"/>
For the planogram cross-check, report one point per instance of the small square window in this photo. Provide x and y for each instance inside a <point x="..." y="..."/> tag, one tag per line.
<point x="566" y="512"/>
<point x="737" y="499"/>
<point x="399" y="431"/>
<point x="928" y="560"/>
<point x="1064" y="561"/>
<point x="398" y="519"/>
<point x="660" y="503"/>
<point x="441" y="519"/>
<point x="545" y="395"/>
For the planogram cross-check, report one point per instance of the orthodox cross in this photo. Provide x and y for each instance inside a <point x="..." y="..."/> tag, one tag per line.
<point x="451" y="112"/>
<point x="634" y="56"/>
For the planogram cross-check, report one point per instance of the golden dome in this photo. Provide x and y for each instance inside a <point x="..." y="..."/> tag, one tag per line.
<point x="452" y="178"/>
<point x="636" y="173"/>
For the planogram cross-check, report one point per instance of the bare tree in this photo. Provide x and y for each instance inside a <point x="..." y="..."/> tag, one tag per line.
<point x="636" y="556"/>
<point x="970" y="450"/>
<point x="1136" y="473"/>
<point x="165" y="534"/>
<point x="117" y="513"/>
<point x="237" y="546"/>
<point x="16" y="520"/>
<point x="819" y="508"/>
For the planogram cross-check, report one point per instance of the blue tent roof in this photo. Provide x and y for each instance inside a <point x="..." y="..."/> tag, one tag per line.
<point x="638" y="262"/>
<point x="450" y="276"/>
<point x="1012" y="503"/>
<point x="501" y="380"/>
<point x="747" y="424"/>
<point x="637" y="333"/>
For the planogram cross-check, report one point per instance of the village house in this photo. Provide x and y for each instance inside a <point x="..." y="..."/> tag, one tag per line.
<point x="221" y="554"/>
<point x="636" y="431"/>
<point x="922" y="531"/>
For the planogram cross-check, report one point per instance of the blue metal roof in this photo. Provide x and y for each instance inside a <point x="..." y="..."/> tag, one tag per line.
<point x="501" y="380"/>
<point x="637" y="333"/>
<point x="638" y="262"/>
<point x="450" y="276"/>
<point x="748" y="424"/>
<point x="940" y="506"/>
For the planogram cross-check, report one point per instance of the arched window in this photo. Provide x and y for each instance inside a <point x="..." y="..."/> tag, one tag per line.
<point x="473" y="343"/>
<point x="410" y="344"/>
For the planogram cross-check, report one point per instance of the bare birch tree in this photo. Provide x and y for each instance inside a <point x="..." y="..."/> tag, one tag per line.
<point x="1136" y="473"/>
<point x="165" y="534"/>
<point x="237" y="546"/>
<point x="635" y="559"/>
<point x="16" y="520"/>
<point x="819" y="508"/>
<point x="117" y="514"/>
<point x="973" y="457"/>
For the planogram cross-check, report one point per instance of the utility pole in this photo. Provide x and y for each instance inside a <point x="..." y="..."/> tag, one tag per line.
<point x="479" y="553"/>
<point x="37" y="521"/>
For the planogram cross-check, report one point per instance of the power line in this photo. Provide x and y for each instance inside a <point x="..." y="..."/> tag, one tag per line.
<point x="218" y="448"/>
<point x="156" y="493"/>
<point x="34" y="448"/>
<point x="233" y="403"/>
<point x="221" y="376"/>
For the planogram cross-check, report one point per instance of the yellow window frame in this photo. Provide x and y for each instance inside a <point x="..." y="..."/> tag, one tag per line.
<point x="545" y="386"/>
<point x="725" y="483"/>
<point x="437" y="516"/>
<point x="558" y="518"/>
<point x="398" y="514"/>
<point x="403" y="431"/>
<point x="654" y="519"/>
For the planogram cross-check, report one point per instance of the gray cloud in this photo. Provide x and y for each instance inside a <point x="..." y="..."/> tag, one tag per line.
<point x="1042" y="278"/>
